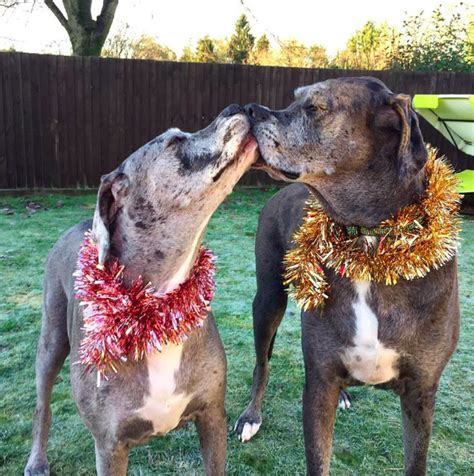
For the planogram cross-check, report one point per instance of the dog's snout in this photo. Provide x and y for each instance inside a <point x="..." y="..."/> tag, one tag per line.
<point x="231" y="110"/>
<point x="256" y="112"/>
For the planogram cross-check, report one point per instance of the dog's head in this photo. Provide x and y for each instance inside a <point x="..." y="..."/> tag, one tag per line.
<point x="179" y="175"/>
<point x="340" y="127"/>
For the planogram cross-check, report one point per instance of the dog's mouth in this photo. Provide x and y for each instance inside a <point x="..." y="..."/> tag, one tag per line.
<point x="289" y="175"/>
<point x="275" y="173"/>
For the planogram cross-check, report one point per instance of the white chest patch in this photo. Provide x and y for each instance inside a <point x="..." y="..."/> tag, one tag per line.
<point x="163" y="406"/>
<point x="369" y="361"/>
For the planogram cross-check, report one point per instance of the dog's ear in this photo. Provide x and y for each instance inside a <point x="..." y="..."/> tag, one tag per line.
<point x="412" y="154"/>
<point x="113" y="188"/>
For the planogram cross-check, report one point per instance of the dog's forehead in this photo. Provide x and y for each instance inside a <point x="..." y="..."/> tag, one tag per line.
<point x="344" y="90"/>
<point x="310" y="91"/>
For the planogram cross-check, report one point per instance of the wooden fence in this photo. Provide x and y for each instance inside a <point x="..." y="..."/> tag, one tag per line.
<point x="64" y="121"/>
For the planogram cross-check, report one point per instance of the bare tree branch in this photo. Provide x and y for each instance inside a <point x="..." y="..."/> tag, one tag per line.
<point x="58" y="14"/>
<point x="6" y="4"/>
<point x="106" y="17"/>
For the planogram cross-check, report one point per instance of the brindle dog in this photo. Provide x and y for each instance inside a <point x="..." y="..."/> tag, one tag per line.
<point x="357" y="146"/>
<point x="151" y="213"/>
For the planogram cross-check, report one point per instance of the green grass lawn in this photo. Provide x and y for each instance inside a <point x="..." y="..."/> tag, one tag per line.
<point x="368" y="438"/>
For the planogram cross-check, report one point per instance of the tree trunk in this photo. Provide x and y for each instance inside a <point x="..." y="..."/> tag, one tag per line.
<point x="86" y="43"/>
<point x="87" y="35"/>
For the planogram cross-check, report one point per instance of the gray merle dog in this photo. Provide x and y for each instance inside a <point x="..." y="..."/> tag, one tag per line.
<point x="151" y="214"/>
<point x="358" y="147"/>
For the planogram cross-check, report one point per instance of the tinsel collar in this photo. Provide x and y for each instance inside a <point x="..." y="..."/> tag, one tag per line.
<point x="125" y="323"/>
<point x="420" y="237"/>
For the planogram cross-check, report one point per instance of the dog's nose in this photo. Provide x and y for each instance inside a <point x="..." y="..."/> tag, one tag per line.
<point x="256" y="112"/>
<point x="231" y="110"/>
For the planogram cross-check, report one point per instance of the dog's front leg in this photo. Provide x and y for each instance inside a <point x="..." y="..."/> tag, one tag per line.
<point x="320" y="400"/>
<point x="269" y="308"/>
<point x="111" y="458"/>
<point x="53" y="348"/>
<point x="417" y="402"/>
<point x="211" y="426"/>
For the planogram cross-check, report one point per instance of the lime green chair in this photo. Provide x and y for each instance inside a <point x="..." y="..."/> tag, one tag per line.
<point x="453" y="116"/>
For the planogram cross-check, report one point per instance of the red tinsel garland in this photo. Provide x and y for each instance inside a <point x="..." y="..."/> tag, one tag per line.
<point x="122" y="324"/>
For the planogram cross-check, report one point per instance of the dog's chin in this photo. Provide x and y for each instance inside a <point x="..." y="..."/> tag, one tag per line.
<point x="275" y="173"/>
<point x="247" y="152"/>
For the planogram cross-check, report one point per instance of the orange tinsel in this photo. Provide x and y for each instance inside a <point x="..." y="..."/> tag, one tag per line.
<point x="421" y="237"/>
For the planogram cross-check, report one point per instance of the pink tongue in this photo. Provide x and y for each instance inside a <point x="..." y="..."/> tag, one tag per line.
<point x="250" y="142"/>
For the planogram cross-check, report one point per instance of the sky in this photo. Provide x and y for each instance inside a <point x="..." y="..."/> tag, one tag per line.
<point x="177" y="23"/>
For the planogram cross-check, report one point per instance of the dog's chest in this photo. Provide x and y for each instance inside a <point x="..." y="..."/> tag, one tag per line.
<point x="163" y="405"/>
<point x="368" y="361"/>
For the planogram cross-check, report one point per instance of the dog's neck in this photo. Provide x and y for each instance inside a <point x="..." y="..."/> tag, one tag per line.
<point x="163" y="255"/>
<point x="365" y="199"/>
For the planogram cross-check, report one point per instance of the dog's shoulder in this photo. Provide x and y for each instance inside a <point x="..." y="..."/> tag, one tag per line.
<point x="70" y="241"/>
<point x="293" y="195"/>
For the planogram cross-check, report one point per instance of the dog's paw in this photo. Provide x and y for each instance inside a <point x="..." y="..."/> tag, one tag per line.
<point x="247" y="425"/>
<point x="249" y="430"/>
<point x="37" y="470"/>
<point x="344" y="400"/>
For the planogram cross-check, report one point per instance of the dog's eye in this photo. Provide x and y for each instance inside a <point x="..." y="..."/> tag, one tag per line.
<point x="315" y="108"/>
<point x="312" y="109"/>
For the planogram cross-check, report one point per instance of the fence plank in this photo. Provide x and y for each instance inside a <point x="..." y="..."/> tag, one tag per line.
<point x="35" y="121"/>
<point x="46" y="150"/>
<point x="144" y="102"/>
<point x="206" y="94"/>
<point x="3" y="132"/>
<point x="193" y="105"/>
<point x="79" y="122"/>
<point x="112" y="120"/>
<point x="152" y="99"/>
<point x="54" y="169"/>
<point x="215" y="93"/>
<point x="104" y="122"/>
<point x="202" y="87"/>
<point x="26" y="121"/>
<point x="137" y="102"/>
<point x="9" y="118"/>
<point x="128" y="107"/>
<point x="120" y="104"/>
<point x="18" y="127"/>
<point x="71" y="157"/>
<point x="63" y="119"/>
<point x="88" y="125"/>
<point x="96" y="94"/>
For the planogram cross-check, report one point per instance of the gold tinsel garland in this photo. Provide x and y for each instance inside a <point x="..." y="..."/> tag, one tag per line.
<point x="421" y="237"/>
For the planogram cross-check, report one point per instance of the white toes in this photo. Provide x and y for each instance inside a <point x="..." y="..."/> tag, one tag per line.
<point x="249" y="431"/>
<point x="255" y="428"/>
<point x="246" y="433"/>
<point x="344" y="403"/>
